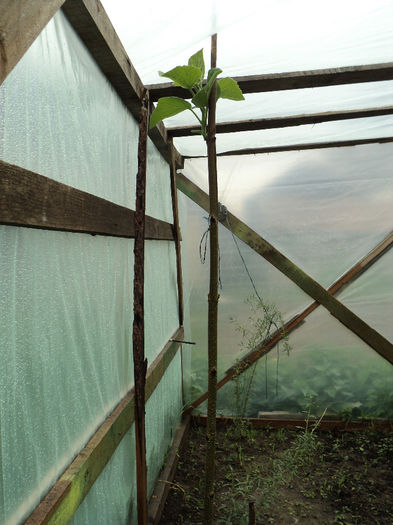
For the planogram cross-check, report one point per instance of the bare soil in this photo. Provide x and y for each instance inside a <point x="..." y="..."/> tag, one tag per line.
<point x="294" y="477"/>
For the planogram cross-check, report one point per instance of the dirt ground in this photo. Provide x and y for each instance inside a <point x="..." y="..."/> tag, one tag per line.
<point x="294" y="477"/>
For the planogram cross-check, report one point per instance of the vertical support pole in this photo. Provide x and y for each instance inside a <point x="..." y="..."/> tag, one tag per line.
<point x="177" y="234"/>
<point x="251" y="513"/>
<point x="138" y="336"/>
<point x="212" y="300"/>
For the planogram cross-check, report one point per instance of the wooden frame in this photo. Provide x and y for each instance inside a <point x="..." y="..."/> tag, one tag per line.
<point x="292" y="80"/>
<point x="34" y="201"/>
<point x="284" y="122"/>
<point x="312" y="288"/>
<point x="299" y="147"/>
<point x="62" y="501"/>
<point x="20" y="24"/>
<point x="251" y="357"/>
<point x="161" y="490"/>
<point x="295" y="424"/>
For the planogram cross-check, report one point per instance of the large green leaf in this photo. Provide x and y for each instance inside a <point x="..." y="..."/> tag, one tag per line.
<point x="184" y="76"/>
<point x="197" y="60"/>
<point x="201" y="99"/>
<point x="167" y="107"/>
<point x="228" y="88"/>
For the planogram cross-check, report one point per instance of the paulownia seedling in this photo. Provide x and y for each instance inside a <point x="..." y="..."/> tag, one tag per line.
<point x="191" y="77"/>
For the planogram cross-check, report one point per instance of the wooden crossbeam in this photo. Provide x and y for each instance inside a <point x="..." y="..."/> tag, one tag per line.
<point x="264" y="348"/>
<point x="283" y="122"/>
<point x="292" y="80"/>
<point x="91" y="23"/>
<point x="370" y="336"/>
<point x="21" y="22"/>
<point x="165" y="478"/>
<point x="62" y="501"/>
<point x="299" y="147"/>
<point x="34" y="201"/>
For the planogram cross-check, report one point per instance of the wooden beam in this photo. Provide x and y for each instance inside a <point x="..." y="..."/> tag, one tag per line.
<point x="21" y="21"/>
<point x="163" y="485"/>
<point x="264" y="348"/>
<point x="284" y="122"/>
<point x="292" y="80"/>
<point x="91" y="23"/>
<point x="370" y="336"/>
<point x="381" y="425"/>
<point x="34" y="201"/>
<point x="138" y="335"/>
<point x="176" y="224"/>
<point x="62" y="501"/>
<point x="299" y="147"/>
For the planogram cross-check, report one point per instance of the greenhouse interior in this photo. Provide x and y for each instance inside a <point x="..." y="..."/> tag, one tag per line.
<point x="305" y="213"/>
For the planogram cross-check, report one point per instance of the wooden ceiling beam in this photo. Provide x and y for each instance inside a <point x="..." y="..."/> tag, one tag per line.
<point x="292" y="80"/>
<point x="284" y="122"/>
<point x="299" y="147"/>
<point x="20" y="23"/>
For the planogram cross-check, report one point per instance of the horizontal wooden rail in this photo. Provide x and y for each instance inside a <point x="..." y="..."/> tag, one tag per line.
<point x="20" y="23"/>
<point x="381" y="425"/>
<point x="370" y="336"/>
<point x="62" y="501"/>
<point x="32" y="200"/>
<point x="299" y="147"/>
<point x="264" y="348"/>
<point x="91" y="23"/>
<point x="292" y="80"/>
<point x="284" y="122"/>
<point x="161" y="491"/>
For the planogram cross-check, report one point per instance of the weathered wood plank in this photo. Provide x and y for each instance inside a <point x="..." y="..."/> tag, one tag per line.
<point x="284" y="122"/>
<point x="91" y="23"/>
<point x="62" y="501"/>
<point x="161" y="490"/>
<point x="32" y="200"/>
<point x="265" y="347"/>
<point x="176" y="224"/>
<point x="380" y="425"/>
<point x="292" y="80"/>
<point x="21" y="21"/>
<point x="370" y="336"/>
<point x="299" y="147"/>
<point x="138" y="334"/>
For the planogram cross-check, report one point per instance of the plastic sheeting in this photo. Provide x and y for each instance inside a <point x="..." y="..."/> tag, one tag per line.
<point x="66" y="298"/>
<point x="328" y="367"/>
<point x="261" y="37"/>
<point x="325" y="210"/>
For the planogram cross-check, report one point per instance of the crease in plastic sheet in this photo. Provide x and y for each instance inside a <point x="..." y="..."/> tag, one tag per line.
<point x="328" y="367"/>
<point x="256" y="37"/>
<point x="163" y="411"/>
<point x="66" y="301"/>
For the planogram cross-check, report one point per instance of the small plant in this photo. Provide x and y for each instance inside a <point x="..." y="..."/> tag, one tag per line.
<point x="191" y="77"/>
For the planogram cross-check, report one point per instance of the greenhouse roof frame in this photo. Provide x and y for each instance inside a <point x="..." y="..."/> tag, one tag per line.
<point x="20" y="24"/>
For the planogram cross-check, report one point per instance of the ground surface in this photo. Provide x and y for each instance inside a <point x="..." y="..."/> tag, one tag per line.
<point x="303" y="477"/>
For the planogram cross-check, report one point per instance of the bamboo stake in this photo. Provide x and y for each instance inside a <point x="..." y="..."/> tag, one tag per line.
<point x="138" y="338"/>
<point x="212" y="300"/>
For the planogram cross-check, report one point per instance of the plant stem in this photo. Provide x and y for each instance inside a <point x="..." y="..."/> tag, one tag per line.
<point x="213" y="301"/>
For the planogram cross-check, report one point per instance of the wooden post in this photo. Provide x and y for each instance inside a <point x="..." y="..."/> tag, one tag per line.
<point x="251" y="513"/>
<point x="176" y="231"/>
<point x="138" y="338"/>
<point x="213" y="300"/>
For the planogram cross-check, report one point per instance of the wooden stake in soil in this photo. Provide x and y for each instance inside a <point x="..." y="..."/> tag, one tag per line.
<point x="213" y="300"/>
<point x="138" y="337"/>
<point x="251" y="513"/>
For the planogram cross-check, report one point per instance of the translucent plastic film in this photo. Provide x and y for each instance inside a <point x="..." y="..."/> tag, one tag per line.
<point x="327" y="368"/>
<point x="255" y="36"/>
<point x="324" y="209"/>
<point x="66" y="298"/>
